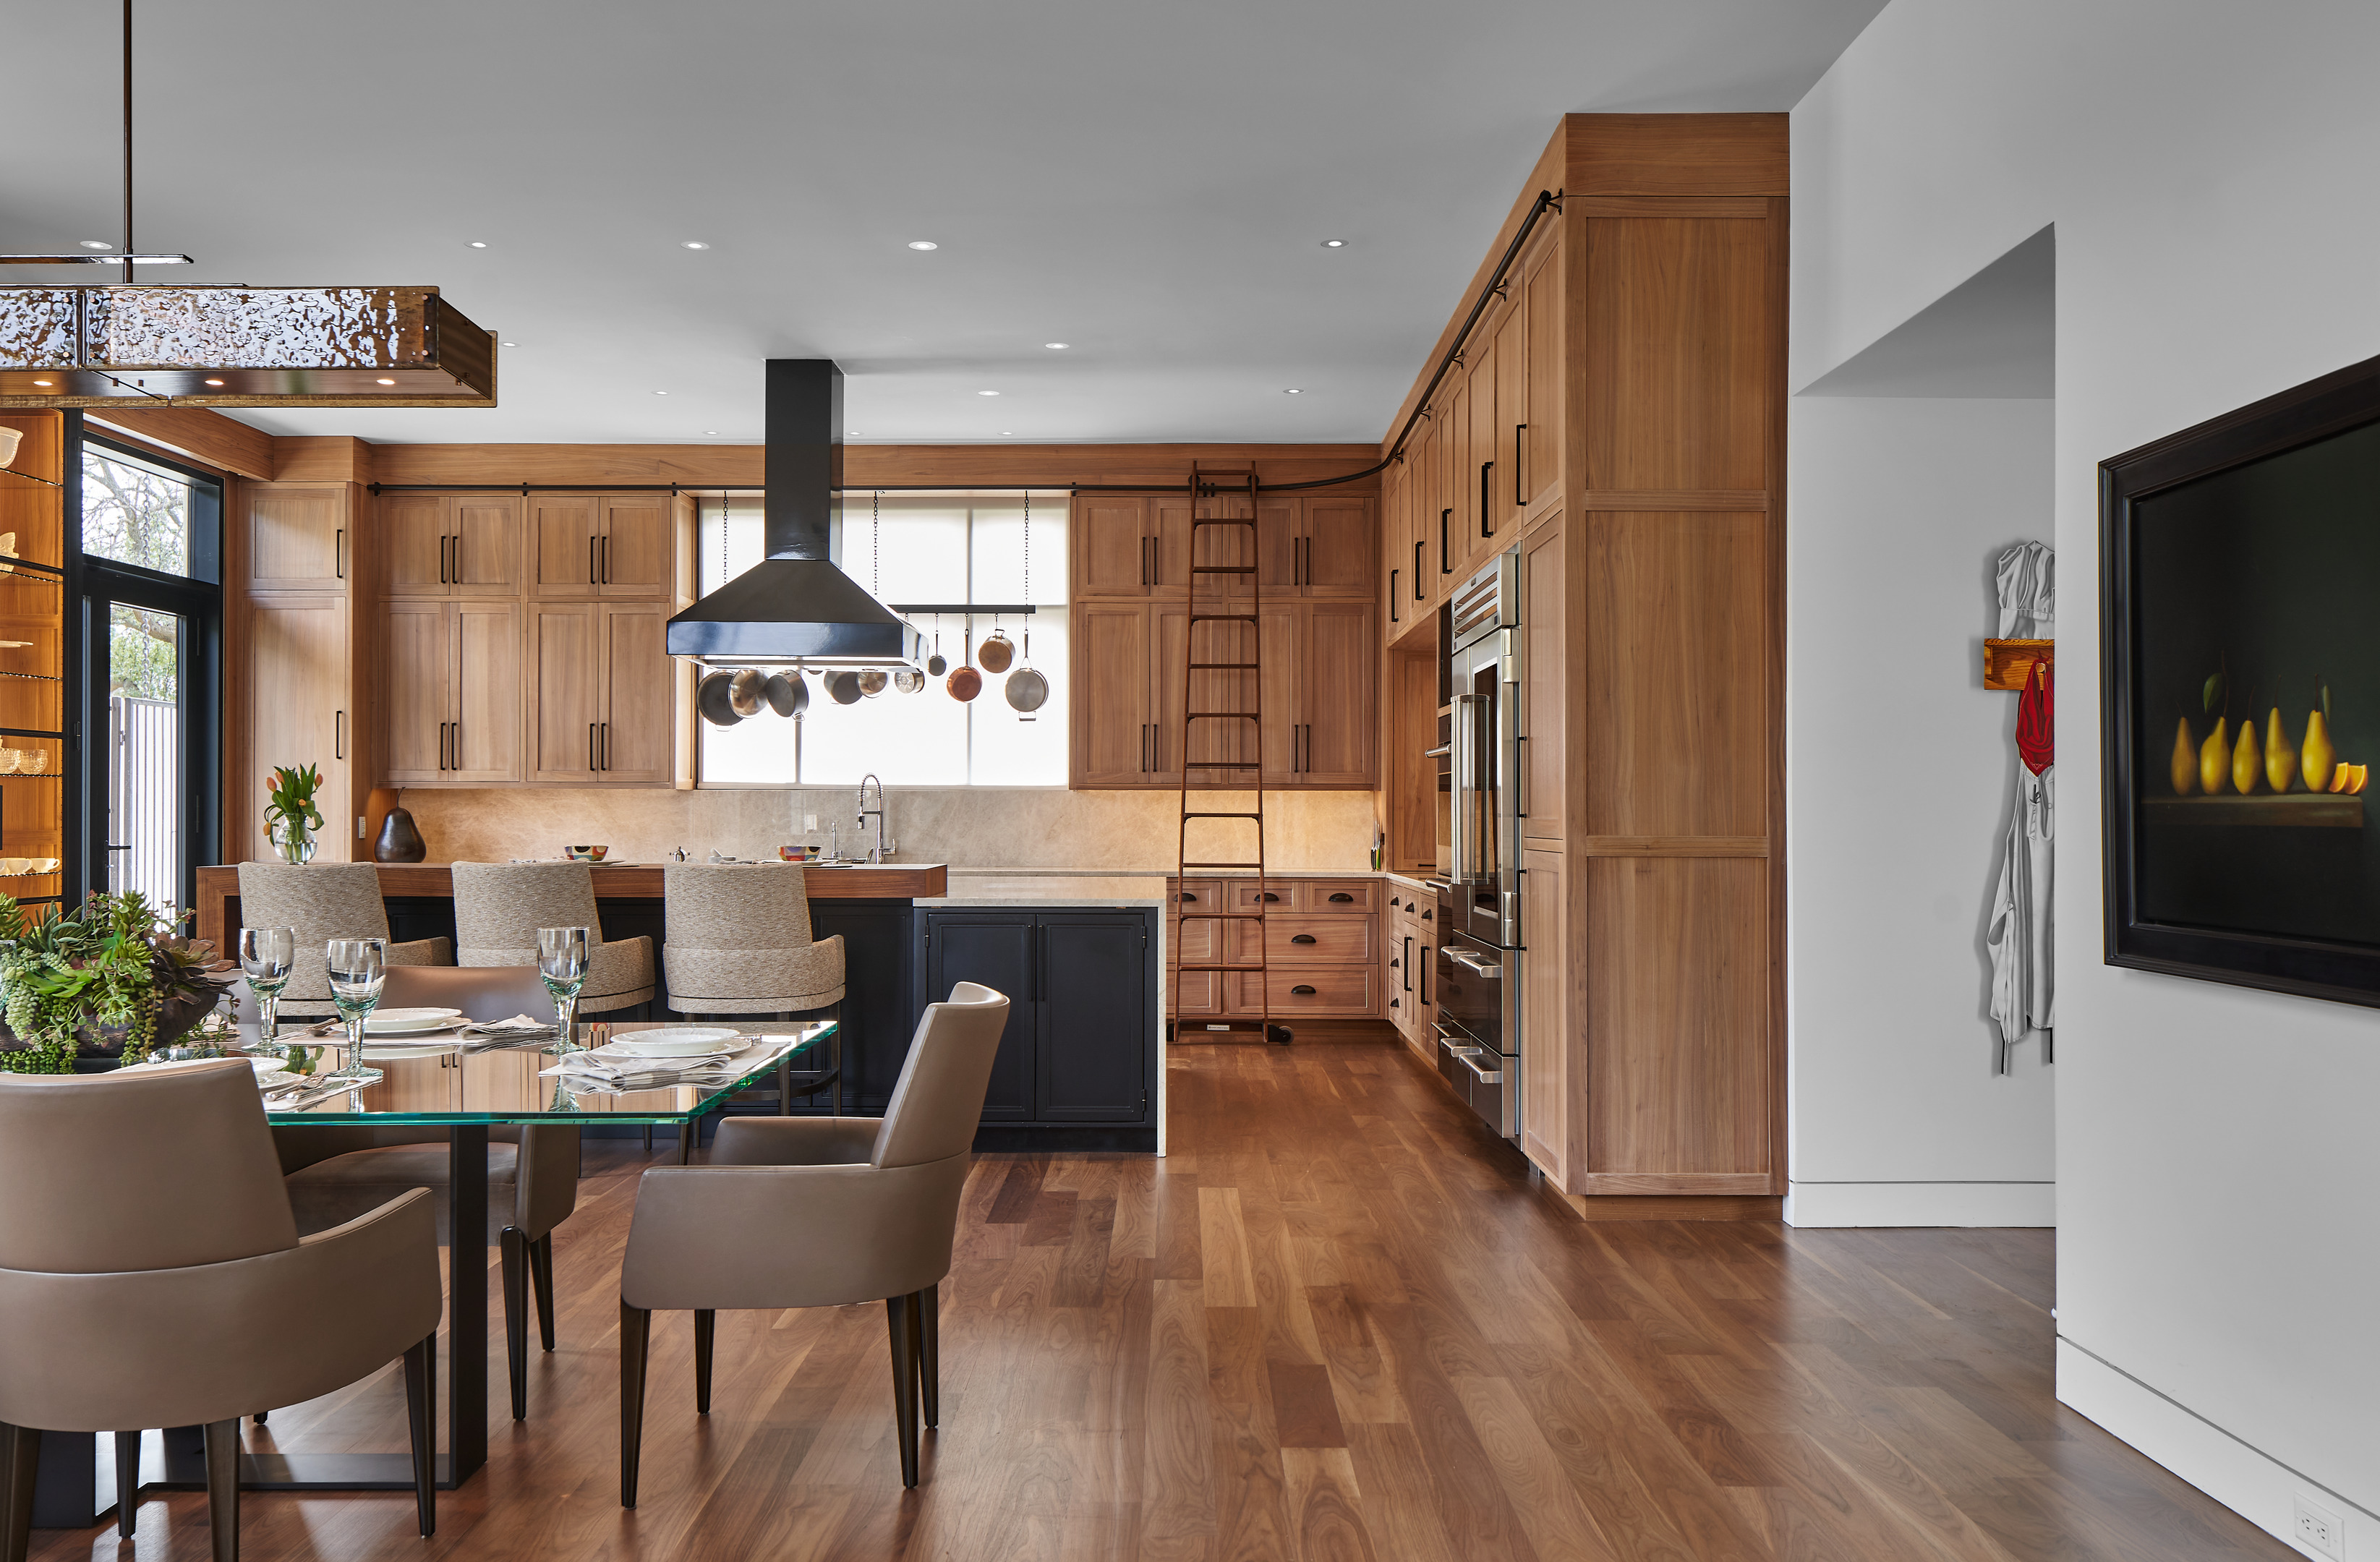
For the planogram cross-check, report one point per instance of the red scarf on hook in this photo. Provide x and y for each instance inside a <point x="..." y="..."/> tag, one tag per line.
<point x="2035" y="718"/>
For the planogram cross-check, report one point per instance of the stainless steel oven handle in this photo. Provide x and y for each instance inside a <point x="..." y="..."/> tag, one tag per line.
<point x="1469" y="1058"/>
<point x="1476" y="966"/>
<point x="1440" y="752"/>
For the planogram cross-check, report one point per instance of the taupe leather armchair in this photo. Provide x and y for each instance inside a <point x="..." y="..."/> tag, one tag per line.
<point x="335" y="1170"/>
<point x="147" y="1240"/>
<point x="818" y="1212"/>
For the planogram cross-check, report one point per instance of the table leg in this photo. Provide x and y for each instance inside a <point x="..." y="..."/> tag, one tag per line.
<point x="466" y="1302"/>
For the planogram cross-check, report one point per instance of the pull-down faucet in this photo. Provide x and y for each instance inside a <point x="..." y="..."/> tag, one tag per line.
<point x="883" y="848"/>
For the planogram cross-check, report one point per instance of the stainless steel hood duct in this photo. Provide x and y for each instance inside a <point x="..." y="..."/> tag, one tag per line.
<point x="795" y="605"/>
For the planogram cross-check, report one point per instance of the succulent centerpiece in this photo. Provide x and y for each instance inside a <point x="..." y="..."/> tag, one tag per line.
<point x="111" y="979"/>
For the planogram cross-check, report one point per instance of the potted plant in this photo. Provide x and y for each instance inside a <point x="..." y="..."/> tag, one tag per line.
<point x="290" y="817"/>
<point x="109" y="980"/>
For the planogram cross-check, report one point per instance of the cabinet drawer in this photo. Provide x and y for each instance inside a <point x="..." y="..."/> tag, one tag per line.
<point x="1350" y="990"/>
<point x="1276" y="895"/>
<point x="1342" y="896"/>
<point x="1199" y="993"/>
<point x="1195" y="894"/>
<point x="1320" y="940"/>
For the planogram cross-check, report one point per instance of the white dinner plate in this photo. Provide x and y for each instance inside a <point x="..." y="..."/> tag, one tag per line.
<point x="384" y="1051"/>
<point x="405" y="1021"/>
<point x="672" y="1041"/>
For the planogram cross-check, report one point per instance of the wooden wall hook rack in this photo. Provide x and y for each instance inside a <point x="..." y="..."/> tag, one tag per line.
<point x="2006" y="662"/>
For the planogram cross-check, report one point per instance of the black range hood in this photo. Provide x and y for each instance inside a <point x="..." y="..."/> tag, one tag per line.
<point x="795" y="605"/>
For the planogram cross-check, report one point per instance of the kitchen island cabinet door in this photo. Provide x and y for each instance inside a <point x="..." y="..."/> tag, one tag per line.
<point x="565" y="721"/>
<point x="995" y="949"/>
<point x="634" y="740"/>
<point x="1092" y="1034"/>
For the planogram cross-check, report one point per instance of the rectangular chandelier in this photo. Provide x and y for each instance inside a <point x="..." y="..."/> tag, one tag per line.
<point x="241" y="346"/>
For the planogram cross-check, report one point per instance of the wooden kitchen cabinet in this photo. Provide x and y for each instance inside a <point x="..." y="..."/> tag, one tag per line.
<point x="1544" y="1049"/>
<point x="599" y="545"/>
<point x="600" y="709"/>
<point x="1127" y="697"/>
<point x="452" y="703"/>
<point x="450" y="545"/>
<point x="1321" y="704"/>
<point x="1316" y="546"/>
<point x="1130" y="547"/>
<point x="301" y="669"/>
<point x="299" y="536"/>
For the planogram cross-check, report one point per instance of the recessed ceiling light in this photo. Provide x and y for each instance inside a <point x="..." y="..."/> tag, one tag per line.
<point x="660" y="393"/>
<point x="478" y="244"/>
<point x="711" y="433"/>
<point x="388" y="381"/>
<point x="1294" y="391"/>
<point x="923" y="244"/>
<point x="1006" y="434"/>
<point x="43" y="382"/>
<point x="694" y="243"/>
<point x="1334" y="243"/>
<point x="97" y="244"/>
<point x="512" y="343"/>
<point x="987" y="392"/>
<point x="214" y="382"/>
<point x="1057" y="346"/>
<point x="851" y="433"/>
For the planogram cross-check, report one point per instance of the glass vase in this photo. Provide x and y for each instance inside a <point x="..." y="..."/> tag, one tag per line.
<point x="294" y="841"/>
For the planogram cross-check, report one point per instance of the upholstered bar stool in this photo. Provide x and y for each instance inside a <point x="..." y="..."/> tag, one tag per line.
<point x="336" y="1171"/>
<point x="324" y="901"/>
<point x="738" y="941"/>
<point x="500" y="906"/>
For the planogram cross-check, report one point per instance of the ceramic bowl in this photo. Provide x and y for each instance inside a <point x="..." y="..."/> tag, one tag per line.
<point x="32" y="761"/>
<point x="588" y="854"/>
<point x="9" y="758"/>
<point x="15" y="866"/>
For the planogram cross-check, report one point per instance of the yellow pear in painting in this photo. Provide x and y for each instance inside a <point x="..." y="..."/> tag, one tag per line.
<point x="2320" y="757"/>
<point x="2185" y="760"/>
<point x="2245" y="761"/>
<point x="2215" y="760"/>
<point x="2280" y="754"/>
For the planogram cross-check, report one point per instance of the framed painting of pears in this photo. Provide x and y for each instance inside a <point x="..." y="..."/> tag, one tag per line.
<point x="2240" y="573"/>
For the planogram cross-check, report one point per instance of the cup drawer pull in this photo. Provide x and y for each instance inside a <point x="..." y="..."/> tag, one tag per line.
<point x="1302" y="939"/>
<point x="1342" y="899"/>
<point x="1301" y="990"/>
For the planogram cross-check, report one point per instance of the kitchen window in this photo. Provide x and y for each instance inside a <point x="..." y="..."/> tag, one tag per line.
<point x="947" y="548"/>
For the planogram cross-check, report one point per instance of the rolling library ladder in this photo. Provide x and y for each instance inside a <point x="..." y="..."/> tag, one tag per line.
<point x="1222" y="717"/>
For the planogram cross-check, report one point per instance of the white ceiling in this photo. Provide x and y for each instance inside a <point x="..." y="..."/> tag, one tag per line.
<point x="1148" y="182"/>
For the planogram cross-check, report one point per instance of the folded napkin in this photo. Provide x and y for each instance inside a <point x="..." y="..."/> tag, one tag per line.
<point x="594" y="1067"/>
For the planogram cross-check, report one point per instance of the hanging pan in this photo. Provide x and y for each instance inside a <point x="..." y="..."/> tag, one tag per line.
<point x="743" y="691"/>
<point x="1027" y="688"/>
<point x="996" y="652"/>
<point x="710" y="698"/>
<point x="788" y="693"/>
<point x="844" y="687"/>
<point x="966" y="683"/>
<point x="935" y="665"/>
<point x="908" y="680"/>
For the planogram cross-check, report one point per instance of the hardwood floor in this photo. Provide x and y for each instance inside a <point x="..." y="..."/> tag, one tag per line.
<point x="1336" y="1323"/>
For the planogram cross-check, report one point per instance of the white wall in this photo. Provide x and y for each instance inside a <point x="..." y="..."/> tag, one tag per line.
<point x="1900" y="767"/>
<point x="2209" y="168"/>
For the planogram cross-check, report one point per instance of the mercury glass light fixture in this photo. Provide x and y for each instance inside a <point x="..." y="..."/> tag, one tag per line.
<point x="230" y="345"/>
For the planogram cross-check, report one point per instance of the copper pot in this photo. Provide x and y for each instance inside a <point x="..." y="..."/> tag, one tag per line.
<point x="964" y="684"/>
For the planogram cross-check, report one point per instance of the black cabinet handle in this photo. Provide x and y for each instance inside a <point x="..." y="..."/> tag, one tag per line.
<point x="1426" y="916"/>
<point x="1487" y="477"/>
<point x="590" y="748"/>
<point x="458" y="730"/>
<point x="607" y="745"/>
<point x="339" y="737"/>
<point x="1394" y="1004"/>
<point x="1418" y="553"/>
<point x="594" y="571"/>
<point x="604" y="553"/>
<point x="1270" y="895"/>
<point x="1188" y="896"/>
<point x="1301" y="990"/>
<point x="1342" y="899"/>
<point x="1392" y="596"/>
<point x="339" y="551"/>
<point x="1445" y="520"/>
<point x="1302" y="939"/>
<point x="1519" y="498"/>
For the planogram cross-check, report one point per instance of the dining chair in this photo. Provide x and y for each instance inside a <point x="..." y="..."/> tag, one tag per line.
<point x="324" y="901"/>
<point x="334" y="1170"/>
<point x="737" y="941"/>
<point x="818" y="1212"/>
<point x="500" y="906"/>
<point x="148" y="1250"/>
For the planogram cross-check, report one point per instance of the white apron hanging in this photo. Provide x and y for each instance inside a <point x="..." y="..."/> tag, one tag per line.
<point x="2024" y="984"/>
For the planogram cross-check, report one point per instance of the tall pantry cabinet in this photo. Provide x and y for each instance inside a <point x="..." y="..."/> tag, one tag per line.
<point x="1618" y="419"/>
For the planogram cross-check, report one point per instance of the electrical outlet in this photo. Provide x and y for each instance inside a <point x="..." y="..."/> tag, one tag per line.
<point x="2318" y="1528"/>
<point x="809" y="822"/>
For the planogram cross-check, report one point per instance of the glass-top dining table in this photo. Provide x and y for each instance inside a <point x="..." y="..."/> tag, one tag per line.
<point x="467" y="1087"/>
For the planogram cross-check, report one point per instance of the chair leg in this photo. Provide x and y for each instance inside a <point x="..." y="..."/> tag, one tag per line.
<point x="541" y="1280"/>
<point x="21" y="1465"/>
<point x="222" y="1487"/>
<point x="929" y="1355"/>
<point x="421" y="1428"/>
<point x="636" y="1338"/>
<point x="649" y="1139"/>
<point x="686" y="1133"/>
<point x="515" y="1248"/>
<point x="127" y="1483"/>
<point x="259" y="1417"/>
<point x="705" y="1332"/>
<point x="901" y="1315"/>
<point x="834" y="1060"/>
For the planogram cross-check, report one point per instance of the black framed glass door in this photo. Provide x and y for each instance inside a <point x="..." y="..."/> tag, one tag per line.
<point x="148" y="536"/>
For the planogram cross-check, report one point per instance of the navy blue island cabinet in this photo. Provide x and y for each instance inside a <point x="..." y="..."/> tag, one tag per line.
<point x="1077" y="1065"/>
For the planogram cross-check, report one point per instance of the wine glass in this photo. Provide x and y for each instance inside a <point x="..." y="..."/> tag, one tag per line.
<point x="562" y="960"/>
<point x="358" y="967"/>
<point x="269" y="956"/>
